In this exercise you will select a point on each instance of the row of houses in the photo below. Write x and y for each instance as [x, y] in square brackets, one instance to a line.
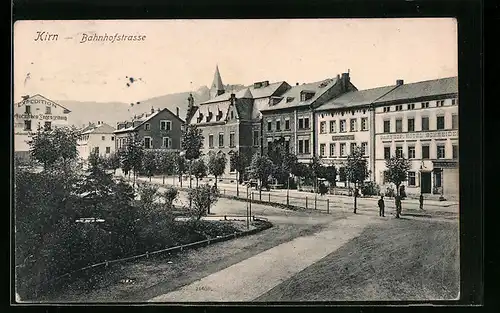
[324, 119]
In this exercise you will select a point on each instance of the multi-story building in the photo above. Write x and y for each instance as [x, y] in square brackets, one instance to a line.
[96, 137]
[231, 122]
[160, 129]
[33, 113]
[292, 116]
[346, 122]
[420, 121]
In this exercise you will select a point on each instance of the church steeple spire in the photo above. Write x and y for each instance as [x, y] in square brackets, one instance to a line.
[217, 87]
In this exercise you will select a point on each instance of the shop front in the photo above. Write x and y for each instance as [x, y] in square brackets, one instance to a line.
[445, 178]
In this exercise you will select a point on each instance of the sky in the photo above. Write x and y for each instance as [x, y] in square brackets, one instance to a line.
[181, 55]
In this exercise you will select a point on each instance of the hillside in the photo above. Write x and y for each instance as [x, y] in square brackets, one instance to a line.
[83, 112]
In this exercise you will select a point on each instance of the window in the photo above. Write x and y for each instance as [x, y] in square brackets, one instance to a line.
[342, 149]
[387, 109]
[47, 125]
[269, 126]
[303, 146]
[255, 137]
[147, 126]
[364, 123]
[108, 150]
[333, 149]
[165, 125]
[232, 114]
[425, 105]
[167, 142]
[287, 124]
[438, 178]
[231, 140]
[387, 153]
[425, 123]
[221, 139]
[103, 137]
[425, 152]
[364, 145]
[453, 101]
[454, 151]
[27, 125]
[48, 109]
[440, 103]
[96, 150]
[322, 148]
[399, 152]
[342, 126]
[387, 126]
[399, 107]
[306, 146]
[306, 122]
[399, 126]
[411, 152]
[354, 125]
[440, 122]
[301, 123]
[147, 142]
[112, 138]
[287, 144]
[27, 109]
[411, 106]
[210, 141]
[440, 153]
[322, 127]
[353, 146]
[454, 121]
[411, 179]
[333, 127]
[411, 124]
[278, 126]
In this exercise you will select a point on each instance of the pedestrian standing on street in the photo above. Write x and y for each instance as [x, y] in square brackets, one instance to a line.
[398, 205]
[421, 201]
[381, 206]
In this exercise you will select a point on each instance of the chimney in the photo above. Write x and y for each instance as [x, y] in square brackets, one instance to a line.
[345, 81]
[190, 100]
[399, 82]
[152, 110]
[338, 76]
[296, 84]
[265, 83]
[177, 111]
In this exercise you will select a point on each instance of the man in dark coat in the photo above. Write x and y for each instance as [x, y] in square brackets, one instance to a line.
[421, 201]
[398, 205]
[381, 206]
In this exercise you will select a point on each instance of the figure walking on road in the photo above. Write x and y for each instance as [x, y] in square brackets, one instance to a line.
[381, 206]
[398, 205]
[421, 201]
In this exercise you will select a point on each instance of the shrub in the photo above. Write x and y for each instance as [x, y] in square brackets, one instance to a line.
[370, 189]
[322, 189]
[169, 195]
[202, 198]
[148, 193]
[389, 192]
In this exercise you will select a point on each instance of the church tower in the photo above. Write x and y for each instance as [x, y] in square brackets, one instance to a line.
[217, 87]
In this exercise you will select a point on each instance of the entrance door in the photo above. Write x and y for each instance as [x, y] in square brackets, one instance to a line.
[425, 182]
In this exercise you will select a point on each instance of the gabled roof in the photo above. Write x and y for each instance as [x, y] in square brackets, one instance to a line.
[43, 98]
[356, 98]
[99, 129]
[291, 98]
[249, 92]
[429, 88]
[144, 118]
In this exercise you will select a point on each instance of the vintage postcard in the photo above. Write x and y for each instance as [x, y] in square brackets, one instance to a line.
[164, 161]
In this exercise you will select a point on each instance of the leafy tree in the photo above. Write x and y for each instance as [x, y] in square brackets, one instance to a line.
[261, 168]
[342, 174]
[284, 161]
[316, 169]
[202, 198]
[149, 163]
[50, 146]
[357, 171]
[113, 161]
[191, 144]
[180, 166]
[133, 154]
[330, 174]
[302, 170]
[148, 195]
[199, 169]
[166, 163]
[216, 164]
[238, 162]
[169, 195]
[397, 170]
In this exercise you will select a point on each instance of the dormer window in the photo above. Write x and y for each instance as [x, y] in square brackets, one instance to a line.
[209, 116]
[219, 115]
[289, 99]
[200, 117]
[306, 95]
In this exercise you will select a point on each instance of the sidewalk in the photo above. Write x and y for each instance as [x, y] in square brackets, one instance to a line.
[247, 280]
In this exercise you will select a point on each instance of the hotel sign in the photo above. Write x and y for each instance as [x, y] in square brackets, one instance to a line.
[445, 164]
[40, 117]
[421, 135]
[342, 137]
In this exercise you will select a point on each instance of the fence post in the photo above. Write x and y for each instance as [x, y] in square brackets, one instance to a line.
[315, 197]
[224, 191]
[269, 197]
[306, 202]
[252, 195]
[328, 206]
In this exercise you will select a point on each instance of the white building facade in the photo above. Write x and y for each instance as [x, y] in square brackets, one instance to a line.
[32, 113]
[97, 137]
[420, 121]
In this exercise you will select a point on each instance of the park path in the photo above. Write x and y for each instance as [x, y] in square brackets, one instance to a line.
[248, 279]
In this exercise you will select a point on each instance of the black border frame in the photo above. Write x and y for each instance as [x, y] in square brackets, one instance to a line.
[469, 17]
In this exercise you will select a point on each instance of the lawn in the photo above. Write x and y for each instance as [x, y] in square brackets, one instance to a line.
[399, 260]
